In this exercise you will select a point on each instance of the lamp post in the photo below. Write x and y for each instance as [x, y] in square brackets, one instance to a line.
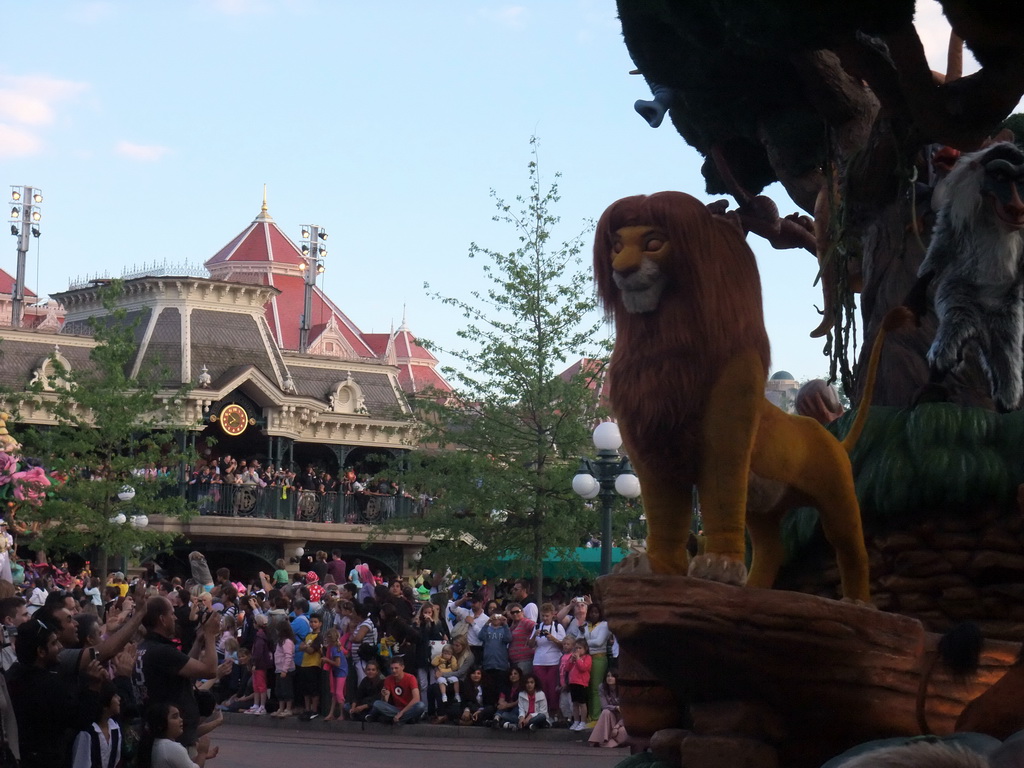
[125, 495]
[313, 250]
[608, 475]
[25, 212]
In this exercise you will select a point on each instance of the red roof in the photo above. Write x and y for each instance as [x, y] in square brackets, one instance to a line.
[378, 342]
[261, 242]
[406, 347]
[416, 365]
[290, 305]
[7, 285]
[417, 378]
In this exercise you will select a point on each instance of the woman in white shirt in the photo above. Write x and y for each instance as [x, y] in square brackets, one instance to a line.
[160, 747]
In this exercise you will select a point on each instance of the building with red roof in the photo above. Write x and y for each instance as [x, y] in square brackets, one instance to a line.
[231, 341]
[263, 254]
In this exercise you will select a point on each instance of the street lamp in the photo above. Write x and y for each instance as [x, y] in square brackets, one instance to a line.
[139, 521]
[607, 475]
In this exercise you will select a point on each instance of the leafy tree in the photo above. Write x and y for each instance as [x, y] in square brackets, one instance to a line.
[500, 451]
[110, 427]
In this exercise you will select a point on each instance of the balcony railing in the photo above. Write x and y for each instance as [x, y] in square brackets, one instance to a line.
[304, 506]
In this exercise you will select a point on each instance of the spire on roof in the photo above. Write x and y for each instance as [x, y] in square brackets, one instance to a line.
[389, 354]
[403, 326]
[264, 215]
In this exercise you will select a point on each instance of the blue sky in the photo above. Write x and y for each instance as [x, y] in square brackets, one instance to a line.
[151, 129]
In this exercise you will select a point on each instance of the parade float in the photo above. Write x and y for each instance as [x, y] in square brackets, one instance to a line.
[889, 528]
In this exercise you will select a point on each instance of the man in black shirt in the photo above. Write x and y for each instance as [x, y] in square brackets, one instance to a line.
[165, 674]
[45, 705]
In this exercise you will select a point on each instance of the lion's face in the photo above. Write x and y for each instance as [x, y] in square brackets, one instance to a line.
[637, 256]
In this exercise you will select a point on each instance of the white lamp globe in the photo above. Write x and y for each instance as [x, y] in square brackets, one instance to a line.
[127, 493]
[119, 519]
[299, 551]
[627, 485]
[586, 485]
[140, 521]
[607, 437]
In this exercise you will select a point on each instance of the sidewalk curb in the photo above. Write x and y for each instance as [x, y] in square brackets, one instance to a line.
[419, 729]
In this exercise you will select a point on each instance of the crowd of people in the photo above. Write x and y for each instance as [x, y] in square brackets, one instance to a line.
[100, 676]
[217, 481]
[228, 470]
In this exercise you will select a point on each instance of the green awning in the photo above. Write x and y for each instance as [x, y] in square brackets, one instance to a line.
[558, 565]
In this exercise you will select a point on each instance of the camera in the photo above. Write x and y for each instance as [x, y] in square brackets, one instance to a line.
[579, 599]
[543, 633]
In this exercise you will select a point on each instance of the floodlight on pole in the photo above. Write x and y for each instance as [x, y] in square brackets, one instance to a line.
[313, 265]
[25, 212]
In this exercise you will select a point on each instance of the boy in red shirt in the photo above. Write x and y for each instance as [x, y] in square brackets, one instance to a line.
[400, 699]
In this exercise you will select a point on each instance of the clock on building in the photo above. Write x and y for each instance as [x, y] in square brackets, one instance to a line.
[233, 419]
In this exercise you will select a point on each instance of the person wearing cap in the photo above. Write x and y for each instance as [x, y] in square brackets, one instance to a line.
[316, 592]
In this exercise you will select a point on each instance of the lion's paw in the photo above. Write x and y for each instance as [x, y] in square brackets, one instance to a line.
[718, 568]
[634, 564]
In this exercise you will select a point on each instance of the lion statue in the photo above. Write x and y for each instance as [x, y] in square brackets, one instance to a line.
[687, 387]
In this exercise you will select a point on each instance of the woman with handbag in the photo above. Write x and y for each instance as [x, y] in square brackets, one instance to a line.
[364, 640]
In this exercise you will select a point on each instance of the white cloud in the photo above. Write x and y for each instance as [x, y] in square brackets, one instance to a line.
[32, 99]
[146, 153]
[18, 142]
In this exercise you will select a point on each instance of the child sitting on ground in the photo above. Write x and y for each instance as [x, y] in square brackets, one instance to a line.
[533, 706]
[445, 667]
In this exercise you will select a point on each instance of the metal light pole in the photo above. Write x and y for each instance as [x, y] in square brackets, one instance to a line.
[312, 250]
[26, 213]
[608, 475]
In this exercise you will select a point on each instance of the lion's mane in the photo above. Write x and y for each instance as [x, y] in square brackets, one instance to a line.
[665, 362]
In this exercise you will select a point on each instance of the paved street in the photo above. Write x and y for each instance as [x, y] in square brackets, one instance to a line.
[254, 747]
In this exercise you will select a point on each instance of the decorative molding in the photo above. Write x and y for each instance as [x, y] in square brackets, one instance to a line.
[347, 397]
[45, 373]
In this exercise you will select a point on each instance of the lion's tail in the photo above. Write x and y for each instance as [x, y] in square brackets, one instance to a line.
[896, 318]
